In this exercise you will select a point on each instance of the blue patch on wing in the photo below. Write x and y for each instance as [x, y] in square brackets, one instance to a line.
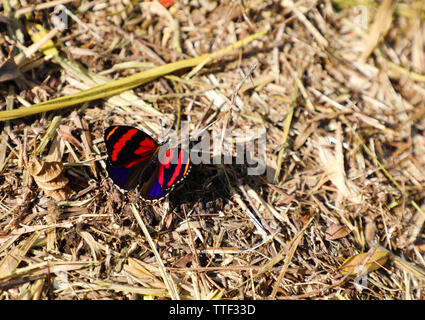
[156, 191]
[125, 178]
[147, 176]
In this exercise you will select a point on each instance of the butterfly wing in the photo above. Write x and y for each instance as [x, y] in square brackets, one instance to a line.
[125, 178]
[169, 171]
[128, 146]
[130, 151]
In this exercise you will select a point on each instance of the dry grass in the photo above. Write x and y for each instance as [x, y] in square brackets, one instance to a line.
[342, 200]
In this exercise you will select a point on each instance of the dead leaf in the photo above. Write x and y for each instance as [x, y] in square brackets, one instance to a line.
[65, 132]
[86, 140]
[9, 71]
[336, 231]
[11, 261]
[185, 261]
[332, 163]
[286, 200]
[364, 262]
[168, 219]
[136, 269]
[49, 176]
[305, 218]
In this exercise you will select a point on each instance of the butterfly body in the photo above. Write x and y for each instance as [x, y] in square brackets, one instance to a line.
[135, 158]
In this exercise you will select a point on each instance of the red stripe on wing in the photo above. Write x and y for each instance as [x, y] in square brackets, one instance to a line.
[121, 143]
[136, 162]
[176, 172]
[164, 164]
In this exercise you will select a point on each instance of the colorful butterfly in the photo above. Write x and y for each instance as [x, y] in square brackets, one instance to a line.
[134, 158]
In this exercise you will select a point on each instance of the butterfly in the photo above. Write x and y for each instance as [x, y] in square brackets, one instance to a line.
[134, 158]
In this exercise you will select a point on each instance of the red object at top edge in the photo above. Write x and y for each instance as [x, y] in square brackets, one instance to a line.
[166, 3]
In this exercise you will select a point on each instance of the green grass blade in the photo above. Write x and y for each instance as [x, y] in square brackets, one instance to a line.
[117, 86]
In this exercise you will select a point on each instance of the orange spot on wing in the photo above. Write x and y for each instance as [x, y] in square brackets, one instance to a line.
[111, 133]
[187, 166]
